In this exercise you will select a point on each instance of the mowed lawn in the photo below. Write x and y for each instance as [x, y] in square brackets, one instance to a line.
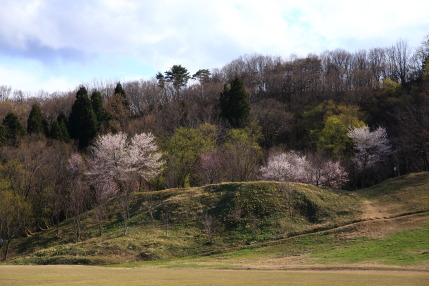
[91, 275]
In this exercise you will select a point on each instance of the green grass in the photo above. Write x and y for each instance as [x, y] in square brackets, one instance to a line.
[404, 194]
[401, 248]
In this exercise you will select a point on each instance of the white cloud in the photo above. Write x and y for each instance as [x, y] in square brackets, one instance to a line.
[34, 78]
[197, 34]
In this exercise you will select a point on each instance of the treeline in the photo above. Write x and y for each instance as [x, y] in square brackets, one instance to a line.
[363, 116]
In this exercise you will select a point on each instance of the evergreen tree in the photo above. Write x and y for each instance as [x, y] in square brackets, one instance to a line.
[178, 75]
[82, 121]
[13, 129]
[120, 91]
[46, 128]
[35, 120]
[97, 106]
[234, 104]
[59, 129]
[2, 135]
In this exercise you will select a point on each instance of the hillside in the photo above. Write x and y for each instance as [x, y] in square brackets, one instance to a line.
[264, 225]
[194, 221]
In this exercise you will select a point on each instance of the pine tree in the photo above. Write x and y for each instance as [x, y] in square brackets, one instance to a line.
[35, 121]
[97, 106]
[235, 105]
[13, 129]
[120, 91]
[82, 121]
[59, 129]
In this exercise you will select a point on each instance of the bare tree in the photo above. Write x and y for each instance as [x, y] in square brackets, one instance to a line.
[15, 214]
[5, 92]
[414, 124]
[77, 198]
[209, 168]
[209, 222]
[399, 61]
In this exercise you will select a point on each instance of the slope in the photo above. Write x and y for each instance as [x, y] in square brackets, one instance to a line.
[195, 221]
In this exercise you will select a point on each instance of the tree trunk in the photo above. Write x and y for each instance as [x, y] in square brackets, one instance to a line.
[6, 251]
[77, 225]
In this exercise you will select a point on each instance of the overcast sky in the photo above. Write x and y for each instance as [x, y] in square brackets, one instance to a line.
[55, 45]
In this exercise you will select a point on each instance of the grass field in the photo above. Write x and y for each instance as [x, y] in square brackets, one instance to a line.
[92, 275]
[376, 236]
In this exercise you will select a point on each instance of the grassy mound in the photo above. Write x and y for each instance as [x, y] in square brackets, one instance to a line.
[194, 221]
[265, 225]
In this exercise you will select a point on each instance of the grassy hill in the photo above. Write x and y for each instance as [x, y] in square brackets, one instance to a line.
[264, 225]
[195, 221]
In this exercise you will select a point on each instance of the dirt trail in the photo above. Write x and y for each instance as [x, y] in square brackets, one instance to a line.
[373, 210]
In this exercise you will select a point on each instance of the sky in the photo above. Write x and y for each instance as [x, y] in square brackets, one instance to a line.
[55, 45]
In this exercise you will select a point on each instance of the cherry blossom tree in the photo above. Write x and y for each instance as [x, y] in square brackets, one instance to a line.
[293, 167]
[371, 147]
[286, 167]
[118, 164]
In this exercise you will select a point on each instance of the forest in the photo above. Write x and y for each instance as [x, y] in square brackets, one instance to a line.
[341, 119]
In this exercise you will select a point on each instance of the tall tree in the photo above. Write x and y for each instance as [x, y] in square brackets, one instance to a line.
[82, 121]
[234, 104]
[59, 129]
[177, 75]
[97, 106]
[35, 120]
[203, 76]
[119, 91]
[13, 129]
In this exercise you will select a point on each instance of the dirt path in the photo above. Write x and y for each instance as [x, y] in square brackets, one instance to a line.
[373, 210]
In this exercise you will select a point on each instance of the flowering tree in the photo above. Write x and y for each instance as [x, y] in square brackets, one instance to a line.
[286, 167]
[118, 164]
[371, 147]
[292, 167]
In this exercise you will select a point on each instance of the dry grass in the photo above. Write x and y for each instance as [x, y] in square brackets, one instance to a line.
[89, 275]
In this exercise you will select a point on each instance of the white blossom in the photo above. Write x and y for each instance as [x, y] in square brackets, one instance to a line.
[292, 167]
[116, 159]
[371, 147]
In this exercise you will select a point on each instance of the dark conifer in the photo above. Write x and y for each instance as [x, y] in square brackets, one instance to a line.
[35, 121]
[97, 106]
[59, 129]
[234, 104]
[13, 129]
[82, 121]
